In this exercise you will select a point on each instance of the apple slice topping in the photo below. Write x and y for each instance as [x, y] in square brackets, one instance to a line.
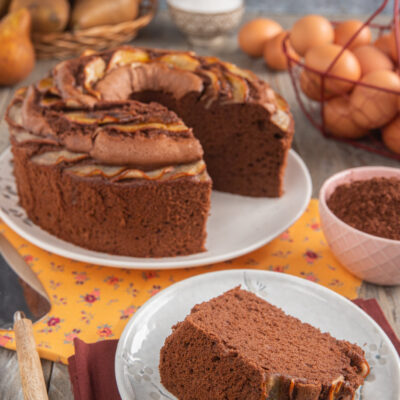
[180, 60]
[56, 157]
[174, 127]
[106, 171]
[51, 94]
[116, 173]
[212, 90]
[281, 119]
[127, 56]
[88, 52]
[243, 73]
[94, 70]
[45, 84]
[239, 88]
[50, 101]
[90, 118]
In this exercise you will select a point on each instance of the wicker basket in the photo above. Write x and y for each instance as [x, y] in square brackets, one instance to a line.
[67, 44]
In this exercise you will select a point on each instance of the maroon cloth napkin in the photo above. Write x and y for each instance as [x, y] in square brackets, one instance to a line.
[91, 370]
[372, 308]
[92, 373]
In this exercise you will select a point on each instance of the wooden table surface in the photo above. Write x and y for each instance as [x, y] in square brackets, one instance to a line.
[323, 158]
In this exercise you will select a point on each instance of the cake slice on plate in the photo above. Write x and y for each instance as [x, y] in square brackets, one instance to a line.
[238, 346]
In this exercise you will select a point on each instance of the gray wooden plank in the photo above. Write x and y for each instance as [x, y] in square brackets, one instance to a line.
[10, 383]
[323, 7]
[389, 300]
[60, 385]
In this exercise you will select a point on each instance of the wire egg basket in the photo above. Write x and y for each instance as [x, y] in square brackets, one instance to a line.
[314, 109]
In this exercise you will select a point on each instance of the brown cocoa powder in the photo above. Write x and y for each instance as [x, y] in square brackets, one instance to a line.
[371, 206]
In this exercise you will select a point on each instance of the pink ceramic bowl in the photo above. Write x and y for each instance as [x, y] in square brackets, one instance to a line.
[371, 258]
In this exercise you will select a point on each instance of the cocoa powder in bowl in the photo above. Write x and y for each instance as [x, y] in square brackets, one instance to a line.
[371, 206]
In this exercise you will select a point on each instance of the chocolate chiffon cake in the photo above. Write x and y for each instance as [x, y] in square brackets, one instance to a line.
[238, 346]
[110, 150]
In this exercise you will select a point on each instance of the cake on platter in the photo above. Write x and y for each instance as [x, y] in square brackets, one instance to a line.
[112, 150]
[239, 346]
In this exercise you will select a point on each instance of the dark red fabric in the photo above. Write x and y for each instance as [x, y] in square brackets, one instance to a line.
[92, 373]
[372, 308]
[91, 370]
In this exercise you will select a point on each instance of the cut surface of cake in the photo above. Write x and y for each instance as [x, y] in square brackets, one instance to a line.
[110, 150]
[238, 346]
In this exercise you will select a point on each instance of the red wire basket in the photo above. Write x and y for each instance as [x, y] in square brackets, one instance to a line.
[314, 110]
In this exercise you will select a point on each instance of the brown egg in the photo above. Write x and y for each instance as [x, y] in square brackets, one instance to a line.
[383, 43]
[372, 59]
[254, 34]
[393, 46]
[391, 135]
[373, 108]
[338, 121]
[345, 30]
[347, 66]
[312, 89]
[274, 55]
[311, 31]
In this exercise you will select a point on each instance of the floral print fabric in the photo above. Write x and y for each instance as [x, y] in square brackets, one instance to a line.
[95, 303]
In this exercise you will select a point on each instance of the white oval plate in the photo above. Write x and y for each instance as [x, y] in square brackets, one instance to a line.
[137, 356]
[236, 226]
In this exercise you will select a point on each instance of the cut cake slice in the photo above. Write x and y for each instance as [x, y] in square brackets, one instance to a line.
[238, 346]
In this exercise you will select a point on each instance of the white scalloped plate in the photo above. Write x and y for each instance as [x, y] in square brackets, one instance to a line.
[137, 357]
[236, 226]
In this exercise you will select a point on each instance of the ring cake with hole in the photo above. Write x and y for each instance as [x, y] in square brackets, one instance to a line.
[111, 150]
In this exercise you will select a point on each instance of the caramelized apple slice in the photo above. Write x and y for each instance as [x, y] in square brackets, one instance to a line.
[106, 171]
[56, 157]
[177, 127]
[45, 84]
[127, 56]
[211, 60]
[89, 119]
[281, 119]
[14, 116]
[149, 175]
[117, 173]
[88, 52]
[215, 83]
[21, 92]
[166, 173]
[239, 88]
[93, 71]
[50, 101]
[281, 102]
[23, 136]
[188, 170]
[72, 103]
[213, 88]
[180, 60]
[243, 73]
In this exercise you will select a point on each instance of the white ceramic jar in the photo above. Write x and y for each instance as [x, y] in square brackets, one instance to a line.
[206, 22]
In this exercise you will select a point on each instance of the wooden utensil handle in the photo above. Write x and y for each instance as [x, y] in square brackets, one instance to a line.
[30, 368]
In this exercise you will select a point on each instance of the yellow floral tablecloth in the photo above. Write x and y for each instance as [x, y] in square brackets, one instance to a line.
[94, 303]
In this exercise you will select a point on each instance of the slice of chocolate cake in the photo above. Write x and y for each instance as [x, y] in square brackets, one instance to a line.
[238, 346]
